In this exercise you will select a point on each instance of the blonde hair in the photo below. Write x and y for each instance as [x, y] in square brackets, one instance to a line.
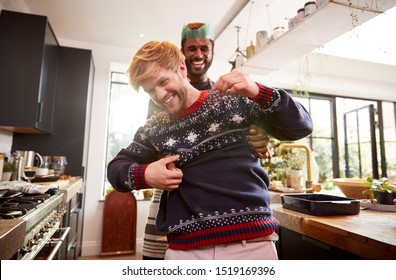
[151, 59]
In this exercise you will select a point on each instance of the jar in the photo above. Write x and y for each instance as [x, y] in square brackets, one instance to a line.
[320, 3]
[309, 8]
[261, 39]
[47, 162]
[290, 23]
[278, 31]
[59, 165]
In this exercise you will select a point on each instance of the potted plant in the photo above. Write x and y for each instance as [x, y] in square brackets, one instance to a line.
[382, 191]
[8, 169]
[296, 162]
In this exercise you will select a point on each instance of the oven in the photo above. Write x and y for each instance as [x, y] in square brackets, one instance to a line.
[38, 218]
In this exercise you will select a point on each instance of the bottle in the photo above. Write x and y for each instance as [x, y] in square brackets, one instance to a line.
[250, 50]
[19, 164]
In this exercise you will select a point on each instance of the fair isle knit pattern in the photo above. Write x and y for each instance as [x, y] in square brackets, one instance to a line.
[223, 196]
[219, 125]
[218, 122]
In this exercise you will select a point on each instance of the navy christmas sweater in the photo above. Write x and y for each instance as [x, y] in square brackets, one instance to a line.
[224, 195]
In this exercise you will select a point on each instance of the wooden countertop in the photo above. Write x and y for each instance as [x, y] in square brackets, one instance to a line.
[370, 234]
[68, 187]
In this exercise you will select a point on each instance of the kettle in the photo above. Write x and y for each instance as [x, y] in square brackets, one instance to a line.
[29, 158]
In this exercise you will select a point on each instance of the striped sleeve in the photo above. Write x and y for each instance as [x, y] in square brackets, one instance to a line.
[264, 95]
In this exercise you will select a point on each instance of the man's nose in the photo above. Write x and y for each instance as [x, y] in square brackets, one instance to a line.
[198, 53]
[160, 94]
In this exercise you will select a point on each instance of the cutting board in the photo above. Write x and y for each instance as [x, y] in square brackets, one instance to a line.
[61, 183]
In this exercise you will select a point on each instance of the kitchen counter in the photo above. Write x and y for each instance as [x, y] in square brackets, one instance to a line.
[370, 234]
[70, 187]
[13, 231]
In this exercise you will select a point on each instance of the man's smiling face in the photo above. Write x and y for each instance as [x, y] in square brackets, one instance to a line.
[199, 56]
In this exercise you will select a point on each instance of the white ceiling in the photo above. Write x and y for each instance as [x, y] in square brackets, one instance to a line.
[120, 22]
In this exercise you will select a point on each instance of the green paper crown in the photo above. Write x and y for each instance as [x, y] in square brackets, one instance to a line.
[203, 32]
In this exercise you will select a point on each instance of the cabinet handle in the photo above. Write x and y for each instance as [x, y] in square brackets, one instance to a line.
[40, 110]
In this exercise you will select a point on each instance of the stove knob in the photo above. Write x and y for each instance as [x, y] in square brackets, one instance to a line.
[25, 250]
[32, 242]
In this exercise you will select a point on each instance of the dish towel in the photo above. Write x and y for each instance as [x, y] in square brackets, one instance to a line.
[26, 187]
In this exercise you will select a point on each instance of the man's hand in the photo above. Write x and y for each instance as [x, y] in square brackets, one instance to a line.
[163, 174]
[236, 82]
[259, 142]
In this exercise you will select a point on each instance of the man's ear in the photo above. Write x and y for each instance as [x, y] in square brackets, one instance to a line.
[183, 70]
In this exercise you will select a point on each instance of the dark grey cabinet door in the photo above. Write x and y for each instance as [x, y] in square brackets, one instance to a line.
[71, 113]
[29, 54]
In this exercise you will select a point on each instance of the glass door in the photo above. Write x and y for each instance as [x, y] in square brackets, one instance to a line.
[361, 143]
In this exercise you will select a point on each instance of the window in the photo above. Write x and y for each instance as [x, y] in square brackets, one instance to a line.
[344, 142]
[127, 112]
[322, 140]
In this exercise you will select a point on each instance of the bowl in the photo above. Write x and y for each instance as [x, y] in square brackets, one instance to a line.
[352, 187]
[42, 171]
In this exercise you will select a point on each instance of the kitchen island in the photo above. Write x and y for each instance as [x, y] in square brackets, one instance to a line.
[368, 235]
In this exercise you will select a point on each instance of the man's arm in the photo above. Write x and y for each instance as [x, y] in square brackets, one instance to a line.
[283, 118]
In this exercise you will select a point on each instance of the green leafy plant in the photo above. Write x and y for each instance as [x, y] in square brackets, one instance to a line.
[378, 185]
[296, 159]
[9, 167]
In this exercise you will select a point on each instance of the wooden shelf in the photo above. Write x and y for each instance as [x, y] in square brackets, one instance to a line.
[328, 22]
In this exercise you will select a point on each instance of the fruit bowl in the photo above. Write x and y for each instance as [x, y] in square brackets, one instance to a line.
[352, 187]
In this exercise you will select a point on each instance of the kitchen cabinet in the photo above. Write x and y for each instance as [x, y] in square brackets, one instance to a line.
[73, 219]
[368, 235]
[329, 21]
[69, 136]
[29, 57]
[297, 246]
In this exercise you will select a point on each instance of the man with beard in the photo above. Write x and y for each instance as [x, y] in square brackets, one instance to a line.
[215, 203]
[197, 45]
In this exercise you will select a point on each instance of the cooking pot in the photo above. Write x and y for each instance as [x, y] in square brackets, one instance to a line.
[29, 158]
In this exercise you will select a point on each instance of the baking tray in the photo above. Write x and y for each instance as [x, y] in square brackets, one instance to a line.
[321, 204]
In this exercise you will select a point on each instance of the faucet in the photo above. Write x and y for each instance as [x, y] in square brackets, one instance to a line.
[308, 155]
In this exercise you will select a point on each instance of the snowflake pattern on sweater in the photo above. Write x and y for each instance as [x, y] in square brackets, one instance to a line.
[217, 121]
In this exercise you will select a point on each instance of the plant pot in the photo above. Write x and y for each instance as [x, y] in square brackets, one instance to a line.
[296, 180]
[385, 198]
[6, 176]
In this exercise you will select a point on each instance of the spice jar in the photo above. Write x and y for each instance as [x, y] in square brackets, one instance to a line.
[309, 7]
[47, 162]
[300, 14]
[59, 165]
[278, 31]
